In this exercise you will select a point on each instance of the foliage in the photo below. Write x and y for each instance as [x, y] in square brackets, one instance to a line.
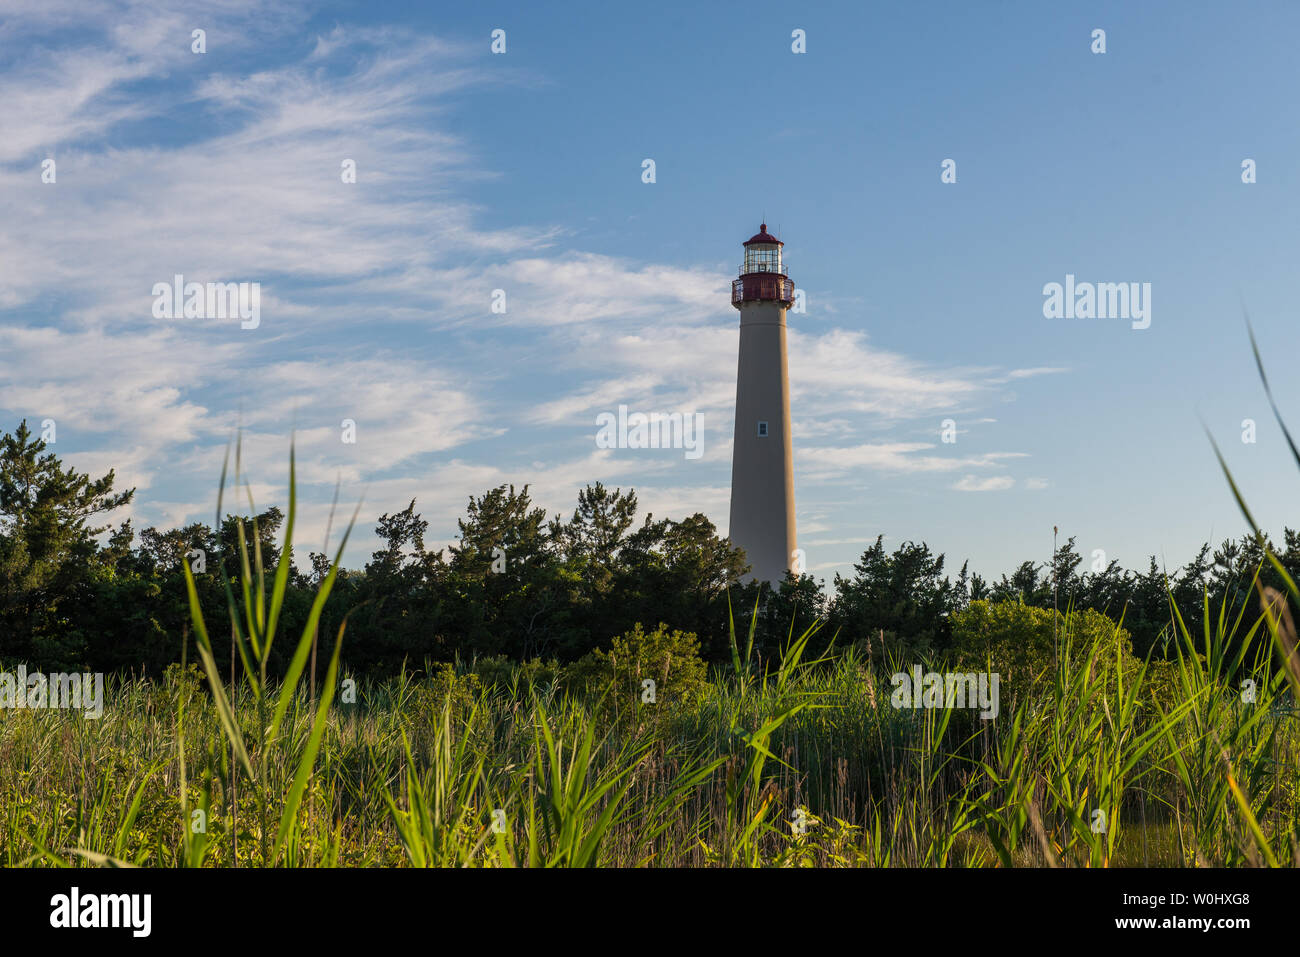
[669, 659]
[518, 585]
[49, 556]
[1023, 646]
[807, 764]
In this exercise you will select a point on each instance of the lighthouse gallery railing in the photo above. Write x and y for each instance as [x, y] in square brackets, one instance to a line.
[755, 286]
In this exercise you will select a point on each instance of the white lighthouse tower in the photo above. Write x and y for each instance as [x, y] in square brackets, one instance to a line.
[762, 459]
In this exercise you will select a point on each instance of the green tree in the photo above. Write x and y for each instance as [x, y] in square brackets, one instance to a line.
[789, 611]
[397, 608]
[49, 556]
[681, 573]
[905, 595]
[505, 587]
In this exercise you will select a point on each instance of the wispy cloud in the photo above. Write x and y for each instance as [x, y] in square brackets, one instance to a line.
[994, 483]
[896, 457]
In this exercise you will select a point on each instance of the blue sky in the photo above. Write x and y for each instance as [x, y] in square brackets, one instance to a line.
[522, 172]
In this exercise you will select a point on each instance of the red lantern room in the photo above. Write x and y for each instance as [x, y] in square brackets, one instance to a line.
[762, 277]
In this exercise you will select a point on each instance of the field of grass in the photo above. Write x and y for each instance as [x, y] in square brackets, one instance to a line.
[807, 765]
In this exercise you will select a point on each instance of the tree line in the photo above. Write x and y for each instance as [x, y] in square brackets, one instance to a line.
[79, 593]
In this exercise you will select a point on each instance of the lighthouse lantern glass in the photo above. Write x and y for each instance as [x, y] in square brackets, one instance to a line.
[762, 257]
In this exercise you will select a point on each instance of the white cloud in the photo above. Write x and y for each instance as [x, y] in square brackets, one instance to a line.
[900, 457]
[1030, 373]
[996, 483]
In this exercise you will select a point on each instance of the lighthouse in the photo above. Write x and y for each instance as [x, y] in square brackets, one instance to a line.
[762, 459]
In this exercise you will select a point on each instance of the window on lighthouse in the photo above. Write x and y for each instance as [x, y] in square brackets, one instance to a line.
[762, 257]
[762, 430]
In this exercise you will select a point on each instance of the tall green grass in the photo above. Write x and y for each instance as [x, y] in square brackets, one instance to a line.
[414, 774]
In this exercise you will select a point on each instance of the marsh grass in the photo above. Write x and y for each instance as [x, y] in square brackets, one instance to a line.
[404, 777]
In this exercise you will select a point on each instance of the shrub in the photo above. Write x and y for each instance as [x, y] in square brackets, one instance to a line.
[671, 659]
[182, 684]
[502, 674]
[1016, 641]
[447, 686]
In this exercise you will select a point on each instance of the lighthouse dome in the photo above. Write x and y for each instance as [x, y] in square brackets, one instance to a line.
[763, 236]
